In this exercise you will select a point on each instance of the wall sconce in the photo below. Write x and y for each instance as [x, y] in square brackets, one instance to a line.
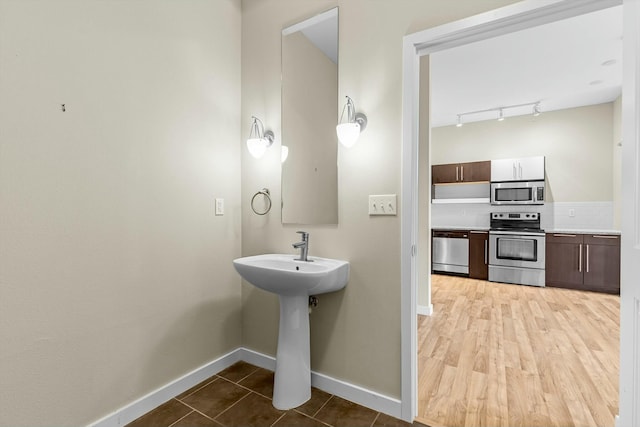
[284, 153]
[259, 140]
[349, 131]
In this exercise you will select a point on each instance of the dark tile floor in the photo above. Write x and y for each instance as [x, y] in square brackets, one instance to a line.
[241, 396]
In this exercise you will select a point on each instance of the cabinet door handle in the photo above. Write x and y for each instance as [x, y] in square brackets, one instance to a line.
[461, 173]
[580, 260]
[587, 258]
[520, 170]
[604, 237]
[564, 235]
[457, 173]
[515, 175]
[486, 252]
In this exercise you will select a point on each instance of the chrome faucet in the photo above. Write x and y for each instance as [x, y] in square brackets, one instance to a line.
[303, 246]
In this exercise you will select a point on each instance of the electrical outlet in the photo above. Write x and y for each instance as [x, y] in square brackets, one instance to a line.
[219, 207]
[385, 204]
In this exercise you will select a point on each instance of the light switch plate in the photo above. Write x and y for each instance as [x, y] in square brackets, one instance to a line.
[219, 206]
[384, 204]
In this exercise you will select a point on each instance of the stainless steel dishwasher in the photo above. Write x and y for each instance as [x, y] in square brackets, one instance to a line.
[450, 251]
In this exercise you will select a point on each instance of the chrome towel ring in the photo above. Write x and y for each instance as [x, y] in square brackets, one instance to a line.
[267, 196]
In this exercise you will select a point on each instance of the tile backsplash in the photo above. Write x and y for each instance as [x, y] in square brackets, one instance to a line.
[553, 216]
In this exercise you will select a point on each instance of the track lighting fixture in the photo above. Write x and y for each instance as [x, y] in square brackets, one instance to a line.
[501, 111]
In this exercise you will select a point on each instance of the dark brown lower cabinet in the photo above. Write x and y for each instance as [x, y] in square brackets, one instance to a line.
[479, 255]
[589, 262]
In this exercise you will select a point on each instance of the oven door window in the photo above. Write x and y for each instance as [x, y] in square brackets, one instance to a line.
[517, 249]
[513, 194]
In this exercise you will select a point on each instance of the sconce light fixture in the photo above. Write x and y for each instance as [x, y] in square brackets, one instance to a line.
[259, 140]
[349, 131]
[284, 153]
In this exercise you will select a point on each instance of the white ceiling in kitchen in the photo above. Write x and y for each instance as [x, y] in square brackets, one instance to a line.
[566, 64]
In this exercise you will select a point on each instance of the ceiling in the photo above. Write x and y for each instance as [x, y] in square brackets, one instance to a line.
[565, 64]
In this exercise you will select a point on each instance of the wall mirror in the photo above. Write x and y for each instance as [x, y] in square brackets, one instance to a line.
[309, 119]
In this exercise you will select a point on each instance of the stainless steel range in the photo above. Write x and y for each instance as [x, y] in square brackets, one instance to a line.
[517, 246]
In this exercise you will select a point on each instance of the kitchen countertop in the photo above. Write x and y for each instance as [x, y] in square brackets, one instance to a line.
[582, 231]
[459, 228]
[548, 230]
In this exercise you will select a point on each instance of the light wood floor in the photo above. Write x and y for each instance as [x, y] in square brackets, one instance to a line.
[494, 354]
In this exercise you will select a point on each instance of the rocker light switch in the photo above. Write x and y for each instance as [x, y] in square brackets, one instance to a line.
[383, 205]
[219, 207]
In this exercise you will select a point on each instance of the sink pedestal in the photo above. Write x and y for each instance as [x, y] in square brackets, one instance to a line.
[292, 384]
[293, 281]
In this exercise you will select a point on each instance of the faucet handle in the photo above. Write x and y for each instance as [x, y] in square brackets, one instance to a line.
[304, 234]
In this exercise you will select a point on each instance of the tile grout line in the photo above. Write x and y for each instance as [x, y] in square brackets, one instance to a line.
[279, 418]
[197, 411]
[325, 404]
[313, 418]
[180, 419]
[212, 378]
[234, 404]
[243, 378]
[375, 419]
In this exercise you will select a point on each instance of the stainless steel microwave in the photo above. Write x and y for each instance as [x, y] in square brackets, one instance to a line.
[517, 193]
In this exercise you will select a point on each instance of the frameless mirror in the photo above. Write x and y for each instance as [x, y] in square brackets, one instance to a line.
[309, 119]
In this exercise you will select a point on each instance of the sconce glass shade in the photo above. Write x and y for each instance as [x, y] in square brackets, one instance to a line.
[257, 146]
[259, 140]
[284, 154]
[348, 133]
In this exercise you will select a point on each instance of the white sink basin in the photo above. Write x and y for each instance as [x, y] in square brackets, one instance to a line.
[293, 281]
[283, 275]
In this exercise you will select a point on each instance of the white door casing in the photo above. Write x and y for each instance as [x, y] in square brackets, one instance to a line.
[630, 241]
[525, 14]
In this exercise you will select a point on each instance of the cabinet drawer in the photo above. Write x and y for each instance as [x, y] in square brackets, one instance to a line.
[564, 238]
[602, 239]
[480, 235]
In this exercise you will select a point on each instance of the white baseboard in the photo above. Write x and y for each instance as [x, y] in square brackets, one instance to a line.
[136, 409]
[360, 395]
[354, 393]
[425, 310]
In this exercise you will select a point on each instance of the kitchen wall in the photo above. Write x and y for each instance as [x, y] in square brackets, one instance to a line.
[355, 333]
[115, 275]
[579, 161]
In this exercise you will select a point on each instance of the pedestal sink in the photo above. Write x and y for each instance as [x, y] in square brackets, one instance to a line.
[293, 281]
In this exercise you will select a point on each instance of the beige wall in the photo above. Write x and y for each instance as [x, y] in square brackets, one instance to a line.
[576, 143]
[115, 275]
[355, 333]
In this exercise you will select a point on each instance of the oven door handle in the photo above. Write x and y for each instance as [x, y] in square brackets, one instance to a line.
[516, 233]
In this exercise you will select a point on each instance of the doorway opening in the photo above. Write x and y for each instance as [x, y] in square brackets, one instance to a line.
[417, 46]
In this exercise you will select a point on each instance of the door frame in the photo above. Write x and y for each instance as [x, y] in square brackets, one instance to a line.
[519, 16]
